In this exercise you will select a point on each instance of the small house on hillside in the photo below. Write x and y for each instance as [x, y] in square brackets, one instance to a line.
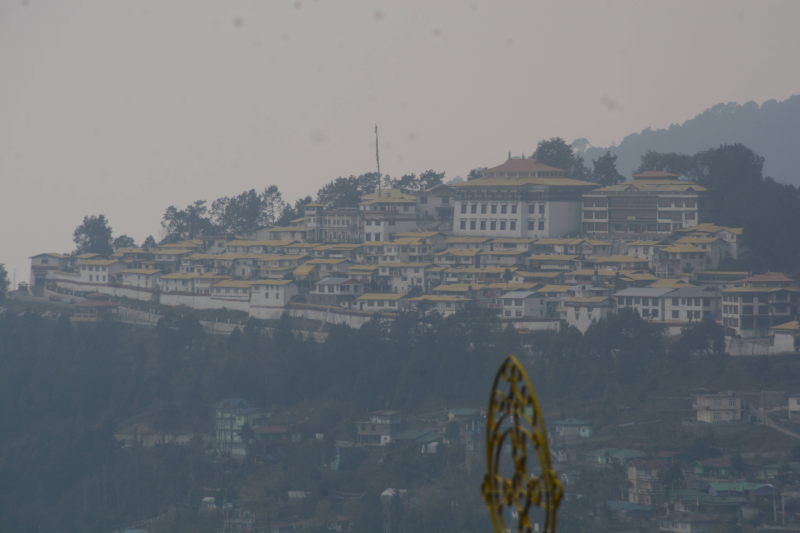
[378, 429]
[716, 408]
[230, 418]
[572, 428]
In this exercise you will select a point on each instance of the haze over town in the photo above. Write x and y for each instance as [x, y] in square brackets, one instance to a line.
[125, 108]
[574, 272]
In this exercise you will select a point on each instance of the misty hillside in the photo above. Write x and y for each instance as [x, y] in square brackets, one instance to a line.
[771, 129]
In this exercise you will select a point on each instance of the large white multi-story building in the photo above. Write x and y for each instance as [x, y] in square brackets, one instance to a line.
[520, 198]
[653, 203]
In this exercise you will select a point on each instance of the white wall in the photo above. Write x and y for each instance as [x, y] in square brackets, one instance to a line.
[562, 218]
[582, 317]
[202, 301]
[330, 315]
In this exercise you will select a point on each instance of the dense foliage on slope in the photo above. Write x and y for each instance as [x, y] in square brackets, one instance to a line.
[65, 390]
[739, 195]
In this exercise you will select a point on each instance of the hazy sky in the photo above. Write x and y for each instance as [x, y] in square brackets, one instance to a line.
[126, 107]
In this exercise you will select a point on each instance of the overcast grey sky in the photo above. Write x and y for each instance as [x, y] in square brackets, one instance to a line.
[126, 107]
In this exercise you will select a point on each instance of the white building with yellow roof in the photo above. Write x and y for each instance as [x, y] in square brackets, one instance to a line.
[281, 233]
[553, 262]
[539, 276]
[140, 278]
[411, 249]
[381, 302]
[352, 251]
[642, 249]
[42, 264]
[99, 271]
[677, 259]
[519, 304]
[330, 266]
[731, 235]
[521, 244]
[263, 298]
[615, 262]
[480, 243]
[243, 246]
[401, 277]
[332, 224]
[472, 274]
[654, 203]
[786, 338]
[387, 212]
[188, 283]
[191, 244]
[716, 248]
[268, 297]
[519, 198]
[466, 257]
[572, 246]
[503, 258]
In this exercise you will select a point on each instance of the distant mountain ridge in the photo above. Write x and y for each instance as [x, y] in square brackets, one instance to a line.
[771, 129]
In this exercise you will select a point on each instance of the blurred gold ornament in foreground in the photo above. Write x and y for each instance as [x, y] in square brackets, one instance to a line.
[515, 419]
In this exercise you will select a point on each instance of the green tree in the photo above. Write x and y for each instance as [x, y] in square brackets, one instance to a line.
[476, 173]
[702, 338]
[681, 164]
[93, 236]
[739, 195]
[149, 243]
[3, 282]
[347, 192]
[124, 241]
[341, 192]
[430, 179]
[580, 170]
[188, 223]
[273, 206]
[248, 211]
[293, 212]
[411, 183]
[733, 174]
[557, 153]
[604, 170]
[407, 183]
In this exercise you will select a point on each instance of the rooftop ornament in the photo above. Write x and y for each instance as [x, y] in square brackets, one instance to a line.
[515, 420]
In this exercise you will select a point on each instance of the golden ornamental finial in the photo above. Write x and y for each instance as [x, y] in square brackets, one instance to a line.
[514, 418]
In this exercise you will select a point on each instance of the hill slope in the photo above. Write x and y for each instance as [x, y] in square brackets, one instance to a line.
[771, 129]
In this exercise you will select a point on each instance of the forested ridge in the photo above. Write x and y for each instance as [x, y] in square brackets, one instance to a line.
[65, 390]
[771, 129]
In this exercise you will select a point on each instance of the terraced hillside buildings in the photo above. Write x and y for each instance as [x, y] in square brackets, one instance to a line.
[344, 265]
